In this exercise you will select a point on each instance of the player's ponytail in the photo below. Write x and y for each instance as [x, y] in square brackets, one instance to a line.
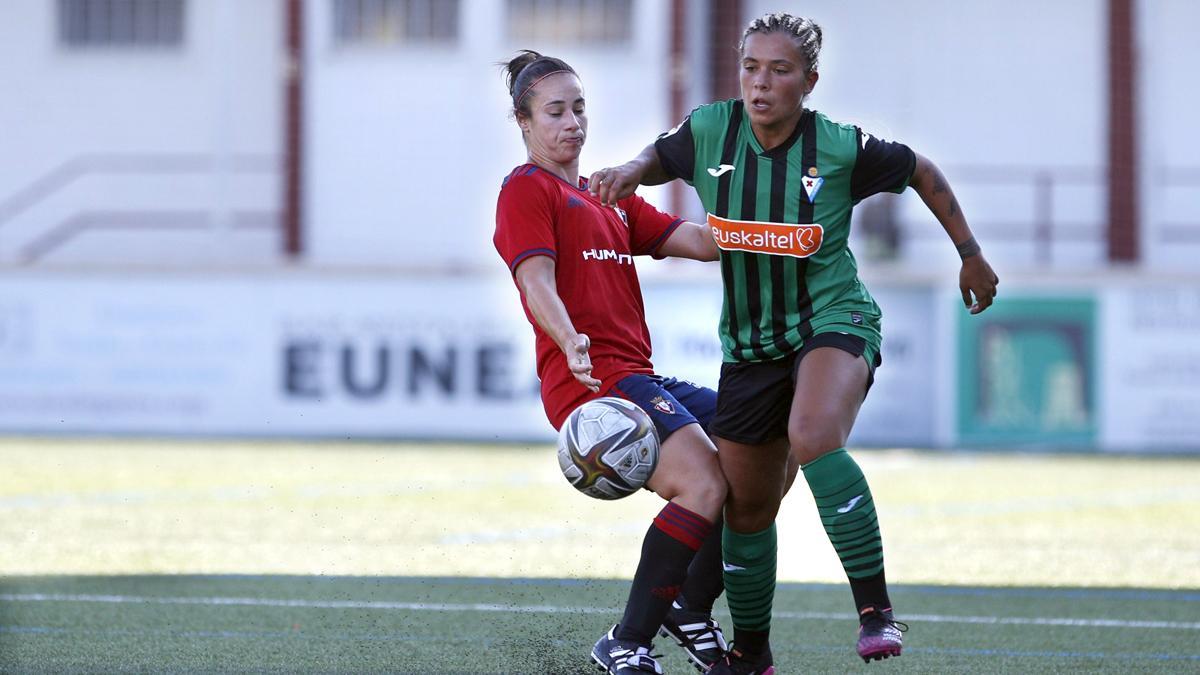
[804, 32]
[524, 71]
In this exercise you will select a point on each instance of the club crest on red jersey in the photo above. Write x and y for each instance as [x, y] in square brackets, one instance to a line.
[621, 212]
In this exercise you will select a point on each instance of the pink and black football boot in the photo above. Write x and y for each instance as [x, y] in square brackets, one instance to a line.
[879, 634]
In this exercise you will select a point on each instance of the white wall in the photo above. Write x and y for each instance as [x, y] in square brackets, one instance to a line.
[408, 145]
[172, 156]
[1015, 85]
[1169, 96]
[110, 137]
[1020, 84]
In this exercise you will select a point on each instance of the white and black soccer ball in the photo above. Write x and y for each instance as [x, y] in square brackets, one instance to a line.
[608, 448]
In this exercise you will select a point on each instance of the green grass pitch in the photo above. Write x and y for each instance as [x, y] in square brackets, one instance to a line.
[205, 556]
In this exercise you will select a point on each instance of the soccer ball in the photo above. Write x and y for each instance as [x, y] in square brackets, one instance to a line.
[608, 448]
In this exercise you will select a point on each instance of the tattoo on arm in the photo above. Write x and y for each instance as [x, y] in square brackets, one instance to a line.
[933, 179]
[939, 183]
[968, 248]
[940, 187]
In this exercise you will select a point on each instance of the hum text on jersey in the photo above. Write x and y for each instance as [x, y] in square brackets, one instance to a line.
[607, 254]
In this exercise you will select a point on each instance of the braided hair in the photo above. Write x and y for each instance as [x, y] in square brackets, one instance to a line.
[804, 32]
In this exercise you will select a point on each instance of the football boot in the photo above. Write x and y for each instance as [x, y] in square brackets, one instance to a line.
[879, 634]
[622, 657]
[697, 633]
[736, 663]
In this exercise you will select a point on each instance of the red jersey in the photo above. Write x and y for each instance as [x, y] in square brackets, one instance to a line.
[593, 246]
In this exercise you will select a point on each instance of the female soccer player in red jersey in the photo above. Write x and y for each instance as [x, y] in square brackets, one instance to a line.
[572, 259]
[800, 333]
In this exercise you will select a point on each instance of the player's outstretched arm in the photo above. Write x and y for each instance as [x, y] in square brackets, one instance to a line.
[976, 279]
[535, 278]
[691, 240]
[612, 184]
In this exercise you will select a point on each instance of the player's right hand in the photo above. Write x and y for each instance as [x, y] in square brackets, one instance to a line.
[613, 184]
[580, 363]
[976, 279]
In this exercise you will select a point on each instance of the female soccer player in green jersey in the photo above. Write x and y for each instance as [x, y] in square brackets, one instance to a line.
[799, 331]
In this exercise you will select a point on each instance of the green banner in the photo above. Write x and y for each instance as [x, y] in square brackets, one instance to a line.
[1027, 373]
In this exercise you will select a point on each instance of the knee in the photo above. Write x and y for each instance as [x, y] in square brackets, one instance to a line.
[708, 490]
[810, 439]
[752, 514]
[702, 491]
[751, 510]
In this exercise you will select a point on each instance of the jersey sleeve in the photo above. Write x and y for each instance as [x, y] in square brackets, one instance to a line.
[649, 228]
[524, 220]
[696, 140]
[677, 151]
[880, 166]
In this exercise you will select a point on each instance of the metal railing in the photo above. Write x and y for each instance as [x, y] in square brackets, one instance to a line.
[1043, 186]
[45, 188]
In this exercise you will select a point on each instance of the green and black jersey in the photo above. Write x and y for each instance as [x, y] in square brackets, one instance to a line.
[781, 217]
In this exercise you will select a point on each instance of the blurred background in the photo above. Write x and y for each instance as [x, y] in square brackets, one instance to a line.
[268, 401]
[274, 217]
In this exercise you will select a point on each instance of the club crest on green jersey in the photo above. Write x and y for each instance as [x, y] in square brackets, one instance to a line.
[812, 184]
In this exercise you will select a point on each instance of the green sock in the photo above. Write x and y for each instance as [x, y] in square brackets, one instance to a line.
[749, 563]
[847, 512]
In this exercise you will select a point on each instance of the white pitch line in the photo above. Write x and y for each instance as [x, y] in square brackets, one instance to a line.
[553, 609]
[319, 604]
[1010, 620]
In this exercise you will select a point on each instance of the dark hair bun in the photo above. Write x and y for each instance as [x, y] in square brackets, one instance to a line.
[512, 69]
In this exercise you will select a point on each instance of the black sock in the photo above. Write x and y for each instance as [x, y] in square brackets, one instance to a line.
[705, 579]
[870, 591]
[751, 643]
[668, 549]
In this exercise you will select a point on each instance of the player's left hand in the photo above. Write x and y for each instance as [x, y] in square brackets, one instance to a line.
[614, 183]
[977, 279]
